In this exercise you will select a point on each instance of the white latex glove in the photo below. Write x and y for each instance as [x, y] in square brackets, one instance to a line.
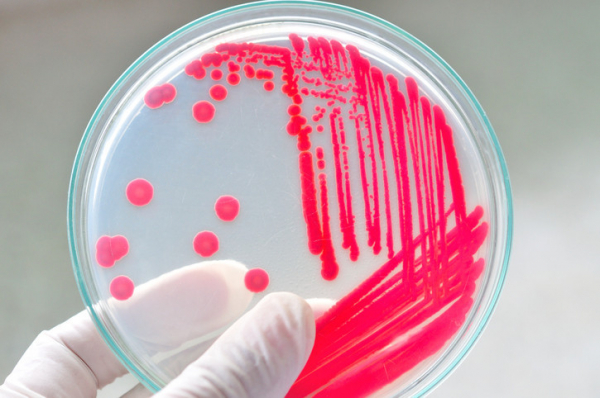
[259, 356]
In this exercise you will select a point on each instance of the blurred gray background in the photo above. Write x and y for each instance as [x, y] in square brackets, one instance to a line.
[534, 66]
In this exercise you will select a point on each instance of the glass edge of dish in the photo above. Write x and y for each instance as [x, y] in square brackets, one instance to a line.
[75, 175]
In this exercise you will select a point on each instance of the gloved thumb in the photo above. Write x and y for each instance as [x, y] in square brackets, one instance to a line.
[261, 355]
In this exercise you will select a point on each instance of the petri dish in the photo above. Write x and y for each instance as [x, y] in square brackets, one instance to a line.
[292, 146]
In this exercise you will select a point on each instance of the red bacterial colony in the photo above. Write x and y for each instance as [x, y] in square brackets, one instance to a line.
[159, 95]
[256, 280]
[216, 74]
[206, 243]
[392, 165]
[218, 92]
[227, 207]
[195, 69]
[203, 111]
[269, 86]
[139, 192]
[233, 79]
[111, 249]
[121, 288]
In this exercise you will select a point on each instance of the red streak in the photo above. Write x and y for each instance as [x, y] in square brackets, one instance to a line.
[195, 69]
[406, 167]
[330, 268]
[309, 202]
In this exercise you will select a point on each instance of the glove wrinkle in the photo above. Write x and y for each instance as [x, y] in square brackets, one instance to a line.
[259, 356]
[50, 369]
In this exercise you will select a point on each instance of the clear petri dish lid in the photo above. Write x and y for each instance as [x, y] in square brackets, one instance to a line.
[302, 147]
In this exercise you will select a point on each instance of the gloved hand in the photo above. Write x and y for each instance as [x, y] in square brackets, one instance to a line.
[259, 356]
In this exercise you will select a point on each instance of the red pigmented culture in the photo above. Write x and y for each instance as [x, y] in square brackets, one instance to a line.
[408, 182]
[139, 192]
[218, 92]
[203, 111]
[206, 243]
[256, 280]
[121, 288]
[110, 249]
[389, 165]
[159, 95]
[309, 149]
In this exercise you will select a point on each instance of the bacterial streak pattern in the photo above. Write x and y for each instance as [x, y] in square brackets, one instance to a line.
[390, 162]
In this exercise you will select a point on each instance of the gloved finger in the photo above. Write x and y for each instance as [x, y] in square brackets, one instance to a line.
[73, 360]
[259, 356]
[183, 304]
[70, 360]
[318, 305]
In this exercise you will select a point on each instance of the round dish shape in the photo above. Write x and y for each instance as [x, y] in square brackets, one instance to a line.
[292, 146]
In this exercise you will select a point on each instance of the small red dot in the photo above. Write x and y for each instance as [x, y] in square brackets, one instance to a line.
[218, 92]
[269, 86]
[203, 111]
[294, 110]
[121, 288]
[256, 280]
[233, 79]
[216, 74]
[206, 243]
[297, 99]
[227, 207]
[249, 71]
[320, 153]
[139, 192]
[320, 128]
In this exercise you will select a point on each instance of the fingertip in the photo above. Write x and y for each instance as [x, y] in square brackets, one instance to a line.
[320, 306]
[262, 354]
[294, 307]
